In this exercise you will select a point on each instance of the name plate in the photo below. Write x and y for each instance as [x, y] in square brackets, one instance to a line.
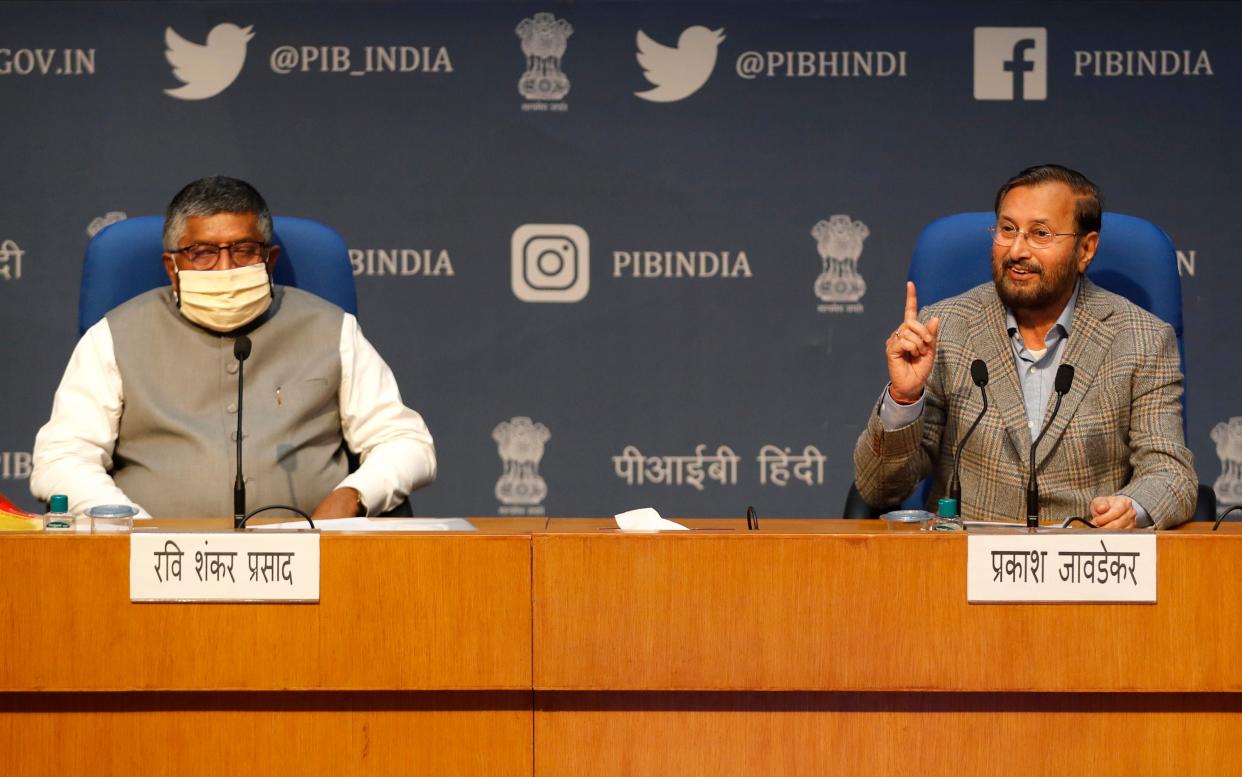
[223, 567]
[1079, 567]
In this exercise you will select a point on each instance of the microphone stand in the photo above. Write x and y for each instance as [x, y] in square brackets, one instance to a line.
[1064, 379]
[241, 350]
[979, 373]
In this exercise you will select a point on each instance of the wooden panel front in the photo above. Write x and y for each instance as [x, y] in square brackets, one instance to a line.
[483, 734]
[834, 606]
[397, 612]
[917, 734]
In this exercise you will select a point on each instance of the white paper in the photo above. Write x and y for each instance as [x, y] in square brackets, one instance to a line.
[645, 519]
[375, 524]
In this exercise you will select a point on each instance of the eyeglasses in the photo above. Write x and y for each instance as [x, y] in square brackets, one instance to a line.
[204, 256]
[1039, 237]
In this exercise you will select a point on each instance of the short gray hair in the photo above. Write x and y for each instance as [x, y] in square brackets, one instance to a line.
[212, 195]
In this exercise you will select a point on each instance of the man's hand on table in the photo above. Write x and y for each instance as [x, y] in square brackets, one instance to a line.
[1113, 512]
[341, 503]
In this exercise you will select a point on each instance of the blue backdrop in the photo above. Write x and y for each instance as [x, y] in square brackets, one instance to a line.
[588, 237]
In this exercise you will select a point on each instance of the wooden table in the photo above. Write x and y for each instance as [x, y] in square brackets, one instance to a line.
[566, 648]
[828, 647]
[415, 661]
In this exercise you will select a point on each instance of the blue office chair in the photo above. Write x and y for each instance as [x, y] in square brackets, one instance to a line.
[1135, 259]
[123, 260]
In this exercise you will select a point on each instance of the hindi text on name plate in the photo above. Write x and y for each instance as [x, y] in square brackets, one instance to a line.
[1078, 567]
[223, 567]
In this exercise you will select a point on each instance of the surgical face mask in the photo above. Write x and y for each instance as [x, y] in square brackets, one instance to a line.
[223, 300]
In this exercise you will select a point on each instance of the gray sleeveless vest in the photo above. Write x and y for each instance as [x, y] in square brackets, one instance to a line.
[175, 452]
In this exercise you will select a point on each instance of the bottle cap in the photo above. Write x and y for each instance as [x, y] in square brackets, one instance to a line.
[59, 503]
[948, 508]
[112, 511]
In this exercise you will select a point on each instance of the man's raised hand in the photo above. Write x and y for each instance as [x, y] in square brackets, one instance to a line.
[911, 351]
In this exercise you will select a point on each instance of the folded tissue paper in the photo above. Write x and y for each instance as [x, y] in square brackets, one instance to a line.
[645, 519]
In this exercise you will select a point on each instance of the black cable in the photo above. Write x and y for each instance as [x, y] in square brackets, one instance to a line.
[290, 508]
[1221, 517]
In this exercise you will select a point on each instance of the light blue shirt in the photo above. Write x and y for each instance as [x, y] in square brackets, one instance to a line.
[1037, 376]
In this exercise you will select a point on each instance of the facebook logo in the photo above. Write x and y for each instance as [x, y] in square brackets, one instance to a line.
[1011, 63]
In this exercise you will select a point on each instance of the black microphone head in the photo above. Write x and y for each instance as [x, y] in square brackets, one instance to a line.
[241, 349]
[1065, 378]
[979, 372]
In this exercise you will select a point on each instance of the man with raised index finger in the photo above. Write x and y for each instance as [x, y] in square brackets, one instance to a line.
[1114, 453]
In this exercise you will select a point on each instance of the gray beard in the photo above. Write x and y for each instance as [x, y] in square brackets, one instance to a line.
[1041, 296]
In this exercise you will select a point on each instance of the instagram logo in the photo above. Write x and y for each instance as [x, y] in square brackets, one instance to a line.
[551, 263]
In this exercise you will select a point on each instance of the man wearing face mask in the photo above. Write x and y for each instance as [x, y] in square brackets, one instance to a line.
[146, 411]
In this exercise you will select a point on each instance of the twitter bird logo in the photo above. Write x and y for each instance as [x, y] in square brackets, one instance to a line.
[678, 72]
[207, 70]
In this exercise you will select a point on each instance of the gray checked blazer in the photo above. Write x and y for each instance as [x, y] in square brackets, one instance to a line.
[1119, 430]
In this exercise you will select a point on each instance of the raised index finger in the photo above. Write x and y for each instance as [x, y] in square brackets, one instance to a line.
[912, 302]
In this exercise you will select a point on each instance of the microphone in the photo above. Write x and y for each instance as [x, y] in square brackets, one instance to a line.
[241, 351]
[1063, 381]
[979, 374]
